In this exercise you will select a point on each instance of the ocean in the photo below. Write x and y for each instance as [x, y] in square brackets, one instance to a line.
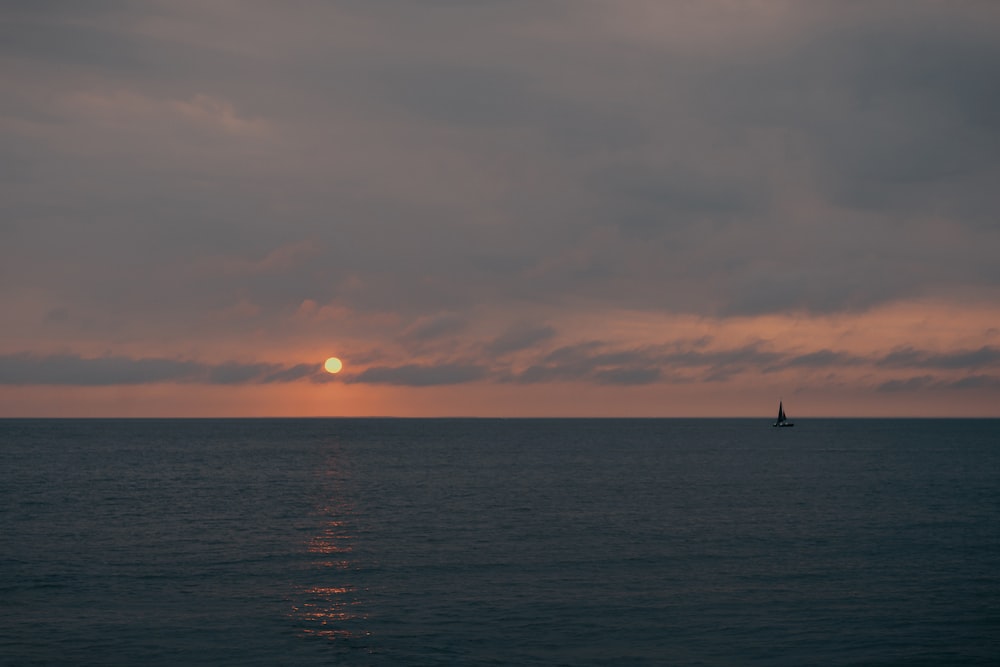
[499, 542]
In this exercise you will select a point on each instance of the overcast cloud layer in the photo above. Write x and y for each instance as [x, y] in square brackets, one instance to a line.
[444, 186]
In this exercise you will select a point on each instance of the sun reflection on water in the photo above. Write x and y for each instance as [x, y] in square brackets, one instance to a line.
[331, 609]
[335, 539]
[329, 612]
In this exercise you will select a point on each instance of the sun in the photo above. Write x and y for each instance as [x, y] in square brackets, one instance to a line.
[333, 365]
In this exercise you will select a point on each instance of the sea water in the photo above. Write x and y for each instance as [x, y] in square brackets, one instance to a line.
[499, 542]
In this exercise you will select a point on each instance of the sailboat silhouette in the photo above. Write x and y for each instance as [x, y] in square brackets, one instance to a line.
[782, 419]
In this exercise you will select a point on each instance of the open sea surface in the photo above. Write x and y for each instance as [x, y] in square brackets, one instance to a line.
[499, 542]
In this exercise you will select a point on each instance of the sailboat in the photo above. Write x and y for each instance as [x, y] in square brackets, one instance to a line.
[782, 419]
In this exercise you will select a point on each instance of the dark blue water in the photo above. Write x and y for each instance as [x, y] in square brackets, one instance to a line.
[499, 542]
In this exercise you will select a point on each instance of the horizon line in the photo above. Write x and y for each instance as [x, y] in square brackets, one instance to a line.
[482, 417]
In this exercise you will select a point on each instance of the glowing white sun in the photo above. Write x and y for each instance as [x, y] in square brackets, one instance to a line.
[333, 365]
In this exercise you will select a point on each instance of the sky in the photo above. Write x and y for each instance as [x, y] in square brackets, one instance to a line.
[518, 208]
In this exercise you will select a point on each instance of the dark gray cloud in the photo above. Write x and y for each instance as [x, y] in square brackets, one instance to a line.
[72, 370]
[24, 368]
[924, 382]
[257, 373]
[988, 382]
[417, 375]
[434, 327]
[821, 359]
[908, 357]
[604, 363]
[519, 338]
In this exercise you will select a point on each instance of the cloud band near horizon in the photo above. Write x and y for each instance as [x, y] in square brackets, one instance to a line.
[592, 362]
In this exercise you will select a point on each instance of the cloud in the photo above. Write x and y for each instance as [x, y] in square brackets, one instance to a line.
[519, 338]
[72, 370]
[821, 359]
[434, 327]
[417, 375]
[575, 156]
[597, 362]
[984, 357]
[243, 373]
[923, 382]
[987, 382]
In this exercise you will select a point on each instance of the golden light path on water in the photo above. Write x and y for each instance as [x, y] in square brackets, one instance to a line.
[330, 609]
